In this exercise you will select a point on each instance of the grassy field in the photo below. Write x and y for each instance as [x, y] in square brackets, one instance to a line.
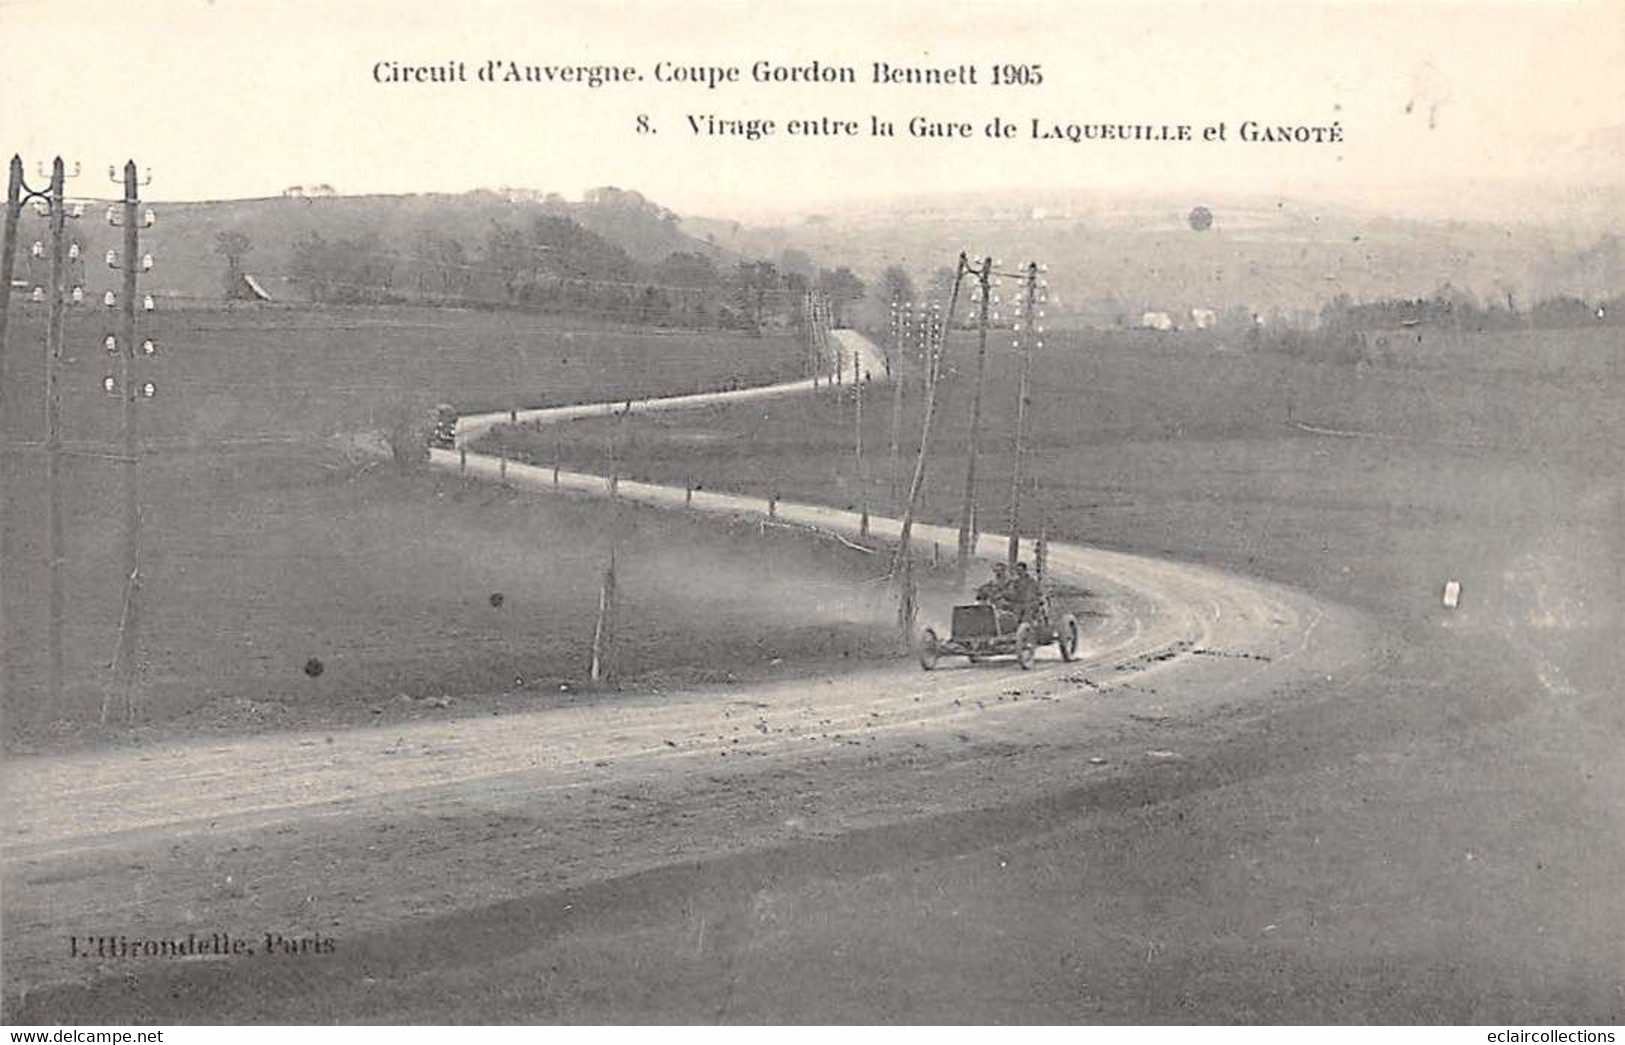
[1493, 460]
[291, 372]
[410, 588]
[270, 536]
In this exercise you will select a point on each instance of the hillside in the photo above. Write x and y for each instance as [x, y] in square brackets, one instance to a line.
[1116, 255]
[187, 267]
[1110, 256]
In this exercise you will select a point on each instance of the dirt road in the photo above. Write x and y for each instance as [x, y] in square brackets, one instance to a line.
[446, 846]
[848, 342]
[1157, 618]
[889, 844]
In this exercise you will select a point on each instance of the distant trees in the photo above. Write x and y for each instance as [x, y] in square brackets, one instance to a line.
[1352, 332]
[1453, 308]
[310, 266]
[793, 262]
[350, 271]
[508, 259]
[439, 265]
[895, 286]
[534, 253]
[756, 279]
[565, 248]
[843, 288]
[233, 246]
[690, 271]
[628, 218]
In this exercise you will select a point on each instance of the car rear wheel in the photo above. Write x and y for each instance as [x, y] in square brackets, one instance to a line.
[1066, 636]
[929, 650]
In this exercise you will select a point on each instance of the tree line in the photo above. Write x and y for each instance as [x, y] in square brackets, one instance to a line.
[1452, 308]
[556, 264]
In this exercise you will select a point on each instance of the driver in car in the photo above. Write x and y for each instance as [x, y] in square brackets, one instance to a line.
[995, 590]
[1024, 593]
[1000, 593]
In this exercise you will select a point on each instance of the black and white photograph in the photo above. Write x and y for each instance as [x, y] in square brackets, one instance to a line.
[925, 514]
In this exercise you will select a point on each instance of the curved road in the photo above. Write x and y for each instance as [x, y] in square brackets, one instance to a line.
[1174, 641]
[851, 345]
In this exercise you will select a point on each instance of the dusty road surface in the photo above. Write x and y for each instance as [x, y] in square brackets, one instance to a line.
[439, 845]
[1240, 803]
[851, 345]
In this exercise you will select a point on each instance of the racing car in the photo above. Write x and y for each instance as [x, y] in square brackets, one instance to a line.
[981, 630]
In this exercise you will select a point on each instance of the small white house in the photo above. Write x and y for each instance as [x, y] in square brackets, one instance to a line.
[1156, 321]
[1204, 318]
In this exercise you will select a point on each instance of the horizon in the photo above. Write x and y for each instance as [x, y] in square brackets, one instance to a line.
[1607, 206]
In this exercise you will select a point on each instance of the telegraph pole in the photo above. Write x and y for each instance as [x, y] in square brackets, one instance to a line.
[857, 438]
[825, 326]
[984, 279]
[936, 350]
[8, 260]
[807, 328]
[603, 633]
[131, 463]
[857, 413]
[894, 367]
[51, 199]
[1027, 326]
[55, 333]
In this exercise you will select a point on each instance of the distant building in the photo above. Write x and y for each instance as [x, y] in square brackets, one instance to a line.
[1204, 318]
[1156, 321]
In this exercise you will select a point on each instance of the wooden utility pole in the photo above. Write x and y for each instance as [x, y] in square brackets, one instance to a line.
[907, 603]
[132, 440]
[967, 510]
[936, 350]
[894, 371]
[8, 260]
[810, 322]
[814, 349]
[54, 337]
[601, 637]
[603, 633]
[826, 325]
[1026, 343]
[857, 412]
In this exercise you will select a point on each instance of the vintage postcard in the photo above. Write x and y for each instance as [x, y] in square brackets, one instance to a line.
[924, 513]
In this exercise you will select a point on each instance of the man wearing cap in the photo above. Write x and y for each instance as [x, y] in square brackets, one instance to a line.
[994, 591]
[1024, 593]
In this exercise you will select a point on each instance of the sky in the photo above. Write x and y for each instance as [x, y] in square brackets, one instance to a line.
[235, 98]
